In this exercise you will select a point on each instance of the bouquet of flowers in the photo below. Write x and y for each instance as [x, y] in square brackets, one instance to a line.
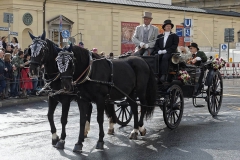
[218, 63]
[183, 76]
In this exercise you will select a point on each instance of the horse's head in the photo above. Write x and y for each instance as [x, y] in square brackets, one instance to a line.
[38, 53]
[65, 63]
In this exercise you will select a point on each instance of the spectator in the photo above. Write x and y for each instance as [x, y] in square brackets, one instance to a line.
[4, 44]
[81, 44]
[8, 74]
[17, 63]
[14, 43]
[94, 50]
[26, 82]
[2, 70]
[102, 54]
[111, 56]
[9, 49]
[15, 51]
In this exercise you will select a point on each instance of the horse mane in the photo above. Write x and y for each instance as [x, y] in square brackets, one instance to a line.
[52, 55]
[51, 47]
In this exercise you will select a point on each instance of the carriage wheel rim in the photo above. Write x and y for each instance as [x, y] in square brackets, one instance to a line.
[215, 95]
[174, 108]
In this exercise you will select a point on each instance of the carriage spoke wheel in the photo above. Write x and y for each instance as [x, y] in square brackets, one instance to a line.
[123, 113]
[215, 93]
[173, 107]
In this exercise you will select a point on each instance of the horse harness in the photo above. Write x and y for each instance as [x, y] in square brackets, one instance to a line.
[111, 83]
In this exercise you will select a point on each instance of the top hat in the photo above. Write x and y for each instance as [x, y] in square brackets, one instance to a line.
[194, 45]
[166, 22]
[147, 15]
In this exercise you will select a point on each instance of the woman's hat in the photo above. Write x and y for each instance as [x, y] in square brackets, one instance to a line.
[166, 22]
[194, 45]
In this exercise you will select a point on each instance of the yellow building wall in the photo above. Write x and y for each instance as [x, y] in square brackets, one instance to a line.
[100, 24]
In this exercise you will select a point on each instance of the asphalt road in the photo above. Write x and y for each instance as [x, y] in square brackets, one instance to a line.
[25, 134]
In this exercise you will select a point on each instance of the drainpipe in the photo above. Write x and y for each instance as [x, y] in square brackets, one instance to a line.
[44, 13]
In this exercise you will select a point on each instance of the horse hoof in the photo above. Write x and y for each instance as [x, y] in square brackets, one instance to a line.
[99, 145]
[60, 145]
[55, 141]
[111, 131]
[133, 135]
[144, 132]
[78, 148]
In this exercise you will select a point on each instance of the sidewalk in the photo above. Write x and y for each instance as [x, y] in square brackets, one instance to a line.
[20, 101]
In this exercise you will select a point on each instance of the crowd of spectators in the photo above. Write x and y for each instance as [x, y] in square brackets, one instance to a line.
[15, 81]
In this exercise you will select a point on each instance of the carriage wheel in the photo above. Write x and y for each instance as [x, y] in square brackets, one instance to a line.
[123, 113]
[214, 94]
[173, 107]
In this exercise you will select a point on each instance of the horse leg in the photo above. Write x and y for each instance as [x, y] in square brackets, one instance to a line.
[87, 126]
[83, 108]
[65, 110]
[52, 104]
[100, 119]
[134, 108]
[142, 130]
[109, 110]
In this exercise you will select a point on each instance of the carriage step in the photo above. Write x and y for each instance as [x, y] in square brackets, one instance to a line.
[199, 106]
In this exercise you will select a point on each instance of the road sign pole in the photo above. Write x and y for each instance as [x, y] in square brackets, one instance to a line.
[9, 31]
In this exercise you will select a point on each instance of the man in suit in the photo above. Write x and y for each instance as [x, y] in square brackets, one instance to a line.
[198, 56]
[145, 36]
[165, 45]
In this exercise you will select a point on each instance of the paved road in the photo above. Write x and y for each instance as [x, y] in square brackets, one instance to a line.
[25, 134]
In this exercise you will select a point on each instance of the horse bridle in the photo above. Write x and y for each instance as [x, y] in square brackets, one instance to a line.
[63, 61]
[43, 50]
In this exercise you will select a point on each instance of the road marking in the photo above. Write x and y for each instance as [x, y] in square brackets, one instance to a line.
[231, 95]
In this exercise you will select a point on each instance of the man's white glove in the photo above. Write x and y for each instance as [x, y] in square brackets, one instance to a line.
[162, 51]
[146, 46]
[142, 44]
[198, 58]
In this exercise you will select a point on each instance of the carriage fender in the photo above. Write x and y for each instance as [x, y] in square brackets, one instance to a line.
[209, 77]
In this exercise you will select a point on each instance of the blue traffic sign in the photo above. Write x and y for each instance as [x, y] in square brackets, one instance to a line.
[188, 23]
[65, 33]
[179, 32]
[224, 47]
[187, 32]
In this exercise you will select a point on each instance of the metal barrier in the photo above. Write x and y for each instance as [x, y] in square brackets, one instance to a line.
[231, 70]
[22, 82]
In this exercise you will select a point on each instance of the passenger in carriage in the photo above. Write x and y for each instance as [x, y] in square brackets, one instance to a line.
[165, 45]
[145, 36]
[184, 53]
[197, 56]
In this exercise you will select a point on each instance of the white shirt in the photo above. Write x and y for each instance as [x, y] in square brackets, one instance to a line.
[14, 45]
[146, 26]
[166, 34]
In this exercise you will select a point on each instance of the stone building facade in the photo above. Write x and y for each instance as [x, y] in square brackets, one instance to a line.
[100, 23]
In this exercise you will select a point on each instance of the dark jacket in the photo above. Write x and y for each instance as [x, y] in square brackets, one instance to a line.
[171, 44]
[8, 74]
[2, 67]
[203, 56]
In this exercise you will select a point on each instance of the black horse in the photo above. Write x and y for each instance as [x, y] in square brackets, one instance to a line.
[101, 81]
[43, 52]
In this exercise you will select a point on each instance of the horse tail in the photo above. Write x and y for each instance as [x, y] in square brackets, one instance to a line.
[151, 93]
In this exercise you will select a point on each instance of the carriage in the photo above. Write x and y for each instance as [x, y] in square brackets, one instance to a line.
[205, 83]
